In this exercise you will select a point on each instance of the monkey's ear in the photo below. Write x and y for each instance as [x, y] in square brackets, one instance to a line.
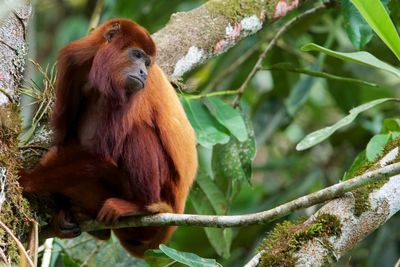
[112, 31]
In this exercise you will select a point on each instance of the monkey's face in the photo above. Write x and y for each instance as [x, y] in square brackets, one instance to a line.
[136, 71]
[121, 65]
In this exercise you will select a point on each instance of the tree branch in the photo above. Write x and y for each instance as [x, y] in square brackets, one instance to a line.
[382, 203]
[190, 38]
[167, 219]
[19, 244]
[270, 45]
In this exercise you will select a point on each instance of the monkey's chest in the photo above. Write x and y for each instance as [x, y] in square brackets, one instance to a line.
[89, 123]
[145, 159]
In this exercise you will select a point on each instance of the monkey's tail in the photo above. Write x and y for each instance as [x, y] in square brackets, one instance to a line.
[137, 240]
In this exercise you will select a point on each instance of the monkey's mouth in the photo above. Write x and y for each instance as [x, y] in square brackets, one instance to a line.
[134, 83]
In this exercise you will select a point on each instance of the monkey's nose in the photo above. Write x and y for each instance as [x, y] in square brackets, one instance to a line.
[143, 74]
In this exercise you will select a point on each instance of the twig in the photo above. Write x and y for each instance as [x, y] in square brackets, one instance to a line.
[33, 242]
[219, 93]
[95, 19]
[3, 258]
[397, 263]
[270, 45]
[168, 219]
[10, 98]
[255, 260]
[94, 251]
[48, 248]
[231, 68]
[19, 244]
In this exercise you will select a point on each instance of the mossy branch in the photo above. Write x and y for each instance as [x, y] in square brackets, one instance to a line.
[168, 219]
[191, 38]
[353, 216]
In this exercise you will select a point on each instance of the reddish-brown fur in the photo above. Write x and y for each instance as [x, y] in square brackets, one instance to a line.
[116, 154]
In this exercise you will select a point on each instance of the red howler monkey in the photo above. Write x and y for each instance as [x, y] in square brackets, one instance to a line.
[123, 144]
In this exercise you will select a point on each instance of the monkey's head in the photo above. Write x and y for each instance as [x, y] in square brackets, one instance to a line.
[122, 63]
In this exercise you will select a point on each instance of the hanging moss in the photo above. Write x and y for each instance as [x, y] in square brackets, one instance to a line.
[287, 238]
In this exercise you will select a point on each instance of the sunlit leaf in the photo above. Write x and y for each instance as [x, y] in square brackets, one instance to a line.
[357, 164]
[375, 146]
[187, 258]
[375, 14]
[208, 130]
[362, 57]
[157, 258]
[228, 117]
[289, 67]
[318, 136]
[391, 125]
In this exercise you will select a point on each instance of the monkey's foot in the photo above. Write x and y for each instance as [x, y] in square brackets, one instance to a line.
[115, 208]
[64, 226]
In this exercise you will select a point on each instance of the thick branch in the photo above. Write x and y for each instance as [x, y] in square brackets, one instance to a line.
[380, 203]
[191, 38]
[384, 203]
[250, 219]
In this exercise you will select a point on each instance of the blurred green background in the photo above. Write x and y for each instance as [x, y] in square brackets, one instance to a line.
[280, 173]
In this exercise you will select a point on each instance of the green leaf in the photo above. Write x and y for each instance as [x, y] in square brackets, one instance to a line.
[233, 161]
[213, 193]
[391, 125]
[375, 14]
[289, 67]
[363, 58]
[111, 253]
[318, 136]
[394, 7]
[208, 131]
[228, 117]
[358, 30]
[358, 162]
[219, 238]
[157, 258]
[68, 261]
[375, 146]
[299, 94]
[188, 259]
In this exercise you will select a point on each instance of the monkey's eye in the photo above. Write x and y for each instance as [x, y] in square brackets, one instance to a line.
[137, 54]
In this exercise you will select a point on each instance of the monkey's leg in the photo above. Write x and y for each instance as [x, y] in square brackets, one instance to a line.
[115, 208]
[60, 176]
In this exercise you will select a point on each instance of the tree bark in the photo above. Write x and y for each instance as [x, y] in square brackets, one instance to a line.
[13, 208]
[191, 38]
[188, 40]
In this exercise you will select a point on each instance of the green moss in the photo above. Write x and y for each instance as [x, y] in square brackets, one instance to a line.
[271, 6]
[275, 246]
[287, 238]
[326, 261]
[361, 195]
[235, 10]
[15, 212]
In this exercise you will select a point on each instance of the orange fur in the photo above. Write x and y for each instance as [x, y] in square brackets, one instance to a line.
[116, 154]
